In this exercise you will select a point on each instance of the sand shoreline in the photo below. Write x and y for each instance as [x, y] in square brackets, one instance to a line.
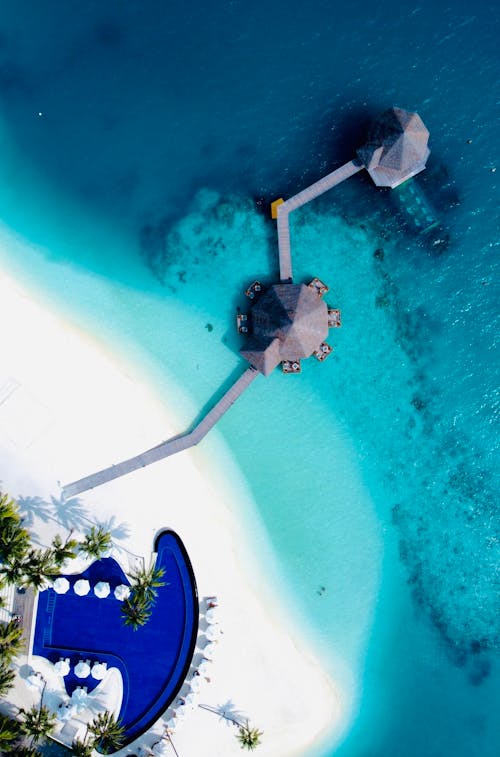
[62, 416]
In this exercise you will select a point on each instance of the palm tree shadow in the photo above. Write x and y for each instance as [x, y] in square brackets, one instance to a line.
[70, 513]
[228, 713]
[31, 508]
[117, 531]
[9, 709]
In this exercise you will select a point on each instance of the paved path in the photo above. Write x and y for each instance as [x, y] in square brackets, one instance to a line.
[308, 194]
[170, 447]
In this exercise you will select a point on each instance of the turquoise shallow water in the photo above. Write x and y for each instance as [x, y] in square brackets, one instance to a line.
[141, 189]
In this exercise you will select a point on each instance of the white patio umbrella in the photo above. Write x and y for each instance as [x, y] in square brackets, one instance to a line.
[122, 592]
[79, 698]
[204, 667]
[208, 651]
[65, 711]
[212, 615]
[52, 700]
[81, 587]
[99, 670]
[181, 712]
[171, 724]
[161, 748]
[61, 585]
[102, 589]
[195, 683]
[82, 670]
[35, 681]
[213, 633]
[189, 700]
[62, 667]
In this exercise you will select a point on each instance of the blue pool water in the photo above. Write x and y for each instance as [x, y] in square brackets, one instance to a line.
[140, 191]
[153, 660]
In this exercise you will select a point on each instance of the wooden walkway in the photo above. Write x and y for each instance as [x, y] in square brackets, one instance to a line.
[308, 194]
[23, 607]
[171, 446]
[193, 437]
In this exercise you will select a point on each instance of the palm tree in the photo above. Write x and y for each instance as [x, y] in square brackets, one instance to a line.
[249, 738]
[9, 632]
[7, 676]
[25, 751]
[8, 733]
[11, 571]
[37, 723]
[108, 731]
[9, 510]
[8, 507]
[11, 640]
[96, 543]
[136, 611]
[146, 581]
[82, 748]
[14, 541]
[63, 551]
[3, 603]
[38, 567]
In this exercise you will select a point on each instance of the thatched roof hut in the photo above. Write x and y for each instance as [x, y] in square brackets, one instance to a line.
[289, 322]
[262, 354]
[396, 148]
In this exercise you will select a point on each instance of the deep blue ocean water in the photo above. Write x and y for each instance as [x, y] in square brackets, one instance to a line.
[142, 190]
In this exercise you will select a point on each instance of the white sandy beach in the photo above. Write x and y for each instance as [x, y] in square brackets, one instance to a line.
[68, 408]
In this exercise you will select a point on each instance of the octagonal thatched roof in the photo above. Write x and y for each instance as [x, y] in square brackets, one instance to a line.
[289, 322]
[396, 148]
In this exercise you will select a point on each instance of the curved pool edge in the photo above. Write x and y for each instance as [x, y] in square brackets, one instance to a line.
[142, 728]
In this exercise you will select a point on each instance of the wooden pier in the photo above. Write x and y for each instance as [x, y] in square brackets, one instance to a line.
[168, 448]
[310, 193]
[193, 437]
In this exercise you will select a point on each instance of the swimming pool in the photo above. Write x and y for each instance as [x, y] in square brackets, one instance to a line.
[153, 660]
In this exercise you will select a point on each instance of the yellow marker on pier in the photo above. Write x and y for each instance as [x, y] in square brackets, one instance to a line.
[274, 207]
